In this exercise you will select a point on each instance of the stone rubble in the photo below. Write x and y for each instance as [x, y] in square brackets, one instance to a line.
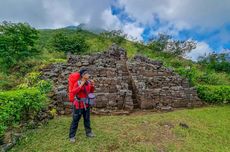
[121, 83]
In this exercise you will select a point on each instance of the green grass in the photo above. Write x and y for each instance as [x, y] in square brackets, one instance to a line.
[208, 131]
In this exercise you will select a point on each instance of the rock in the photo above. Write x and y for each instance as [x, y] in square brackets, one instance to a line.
[84, 63]
[183, 125]
[6, 147]
[166, 124]
[78, 64]
[62, 112]
[166, 108]
[61, 87]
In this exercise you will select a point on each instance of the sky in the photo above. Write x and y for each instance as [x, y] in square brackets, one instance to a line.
[205, 21]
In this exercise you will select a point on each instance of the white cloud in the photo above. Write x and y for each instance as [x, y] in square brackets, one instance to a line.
[202, 49]
[173, 15]
[112, 22]
[133, 31]
[59, 13]
[225, 51]
[54, 13]
[182, 14]
[168, 29]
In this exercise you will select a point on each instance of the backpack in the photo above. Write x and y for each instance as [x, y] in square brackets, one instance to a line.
[73, 78]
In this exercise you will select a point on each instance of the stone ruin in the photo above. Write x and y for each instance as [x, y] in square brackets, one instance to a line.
[122, 84]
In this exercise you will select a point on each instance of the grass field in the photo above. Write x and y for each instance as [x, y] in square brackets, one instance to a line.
[208, 130]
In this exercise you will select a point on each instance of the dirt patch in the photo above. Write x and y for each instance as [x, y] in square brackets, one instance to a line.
[113, 147]
[166, 136]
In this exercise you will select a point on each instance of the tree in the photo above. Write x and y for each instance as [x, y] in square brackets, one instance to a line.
[158, 43]
[74, 43]
[164, 42]
[218, 62]
[180, 48]
[117, 36]
[17, 43]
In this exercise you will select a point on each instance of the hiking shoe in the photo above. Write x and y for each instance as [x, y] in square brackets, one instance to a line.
[72, 140]
[91, 134]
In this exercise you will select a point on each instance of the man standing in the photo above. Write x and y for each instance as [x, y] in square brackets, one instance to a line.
[80, 89]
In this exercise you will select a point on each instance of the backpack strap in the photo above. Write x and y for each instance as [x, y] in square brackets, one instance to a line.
[86, 92]
[78, 82]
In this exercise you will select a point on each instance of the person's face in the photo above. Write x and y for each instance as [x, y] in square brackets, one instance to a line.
[86, 76]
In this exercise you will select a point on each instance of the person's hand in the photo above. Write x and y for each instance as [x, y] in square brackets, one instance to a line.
[83, 82]
[92, 82]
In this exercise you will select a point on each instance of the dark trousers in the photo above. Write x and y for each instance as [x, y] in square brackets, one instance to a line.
[76, 118]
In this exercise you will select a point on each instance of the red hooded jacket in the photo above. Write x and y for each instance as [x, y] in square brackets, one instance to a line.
[80, 92]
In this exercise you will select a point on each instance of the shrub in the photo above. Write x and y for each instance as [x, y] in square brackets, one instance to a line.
[8, 82]
[214, 94]
[189, 72]
[17, 43]
[44, 86]
[196, 76]
[74, 43]
[164, 42]
[218, 62]
[210, 78]
[32, 79]
[116, 36]
[17, 105]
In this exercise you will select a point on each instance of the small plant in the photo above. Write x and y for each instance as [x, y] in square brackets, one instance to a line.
[33, 80]
[44, 86]
[53, 112]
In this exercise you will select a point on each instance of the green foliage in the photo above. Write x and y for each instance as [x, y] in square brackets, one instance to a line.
[164, 42]
[8, 82]
[116, 36]
[44, 86]
[211, 78]
[24, 102]
[196, 76]
[189, 73]
[159, 43]
[74, 43]
[17, 105]
[17, 43]
[53, 112]
[214, 94]
[32, 79]
[217, 62]
[156, 46]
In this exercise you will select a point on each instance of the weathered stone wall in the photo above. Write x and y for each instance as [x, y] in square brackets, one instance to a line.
[122, 84]
[159, 87]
